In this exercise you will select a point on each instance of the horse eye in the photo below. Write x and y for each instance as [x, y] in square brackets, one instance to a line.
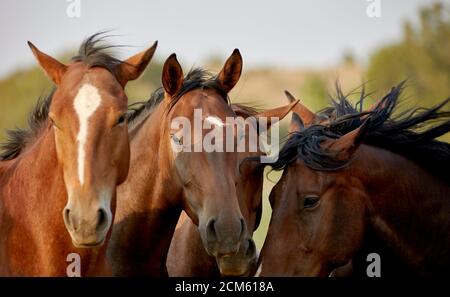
[176, 140]
[121, 120]
[310, 201]
[53, 122]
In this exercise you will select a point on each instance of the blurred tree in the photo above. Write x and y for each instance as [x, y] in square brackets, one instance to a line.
[422, 57]
[18, 94]
[314, 91]
[214, 62]
[140, 89]
[348, 58]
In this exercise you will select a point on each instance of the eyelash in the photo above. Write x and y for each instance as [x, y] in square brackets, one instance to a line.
[310, 201]
[122, 119]
[176, 139]
[53, 124]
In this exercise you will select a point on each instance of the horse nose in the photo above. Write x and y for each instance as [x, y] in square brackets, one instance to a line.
[87, 227]
[69, 220]
[211, 234]
[102, 219]
[73, 223]
[226, 235]
[243, 229]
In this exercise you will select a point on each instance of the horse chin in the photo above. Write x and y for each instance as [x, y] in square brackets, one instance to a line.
[234, 271]
[230, 266]
[345, 270]
[88, 245]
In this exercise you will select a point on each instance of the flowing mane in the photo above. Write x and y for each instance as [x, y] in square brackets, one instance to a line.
[93, 52]
[411, 134]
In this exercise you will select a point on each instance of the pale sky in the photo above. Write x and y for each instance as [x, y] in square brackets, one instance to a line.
[285, 33]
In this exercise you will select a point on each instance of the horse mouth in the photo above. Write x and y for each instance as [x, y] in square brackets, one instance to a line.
[87, 245]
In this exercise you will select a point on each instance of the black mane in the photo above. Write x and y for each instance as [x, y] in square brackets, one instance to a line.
[196, 78]
[18, 139]
[93, 52]
[411, 134]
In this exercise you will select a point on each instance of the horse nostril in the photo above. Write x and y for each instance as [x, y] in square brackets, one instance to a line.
[70, 220]
[102, 219]
[251, 250]
[243, 229]
[66, 215]
[211, 231]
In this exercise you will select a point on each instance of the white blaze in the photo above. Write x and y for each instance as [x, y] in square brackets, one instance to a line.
[86, 103]
[215, 121]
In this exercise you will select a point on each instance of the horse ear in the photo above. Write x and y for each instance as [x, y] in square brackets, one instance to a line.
[296, 124]
[307, 116]
[347, 144]
[52, 67]
[133, 67]
[172, 75]
[276, 113]
[231, 71]
[289, 96]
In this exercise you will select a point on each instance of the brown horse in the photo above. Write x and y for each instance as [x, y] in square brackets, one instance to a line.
[187, 257]
[351, 188]
[164, 181]
[58, 180]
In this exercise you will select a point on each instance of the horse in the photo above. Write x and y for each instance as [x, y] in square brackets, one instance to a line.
[187, 257]
[58, 178]
[163, 180]
[368, 182]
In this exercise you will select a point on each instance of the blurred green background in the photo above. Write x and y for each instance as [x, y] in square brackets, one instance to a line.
[422, 56]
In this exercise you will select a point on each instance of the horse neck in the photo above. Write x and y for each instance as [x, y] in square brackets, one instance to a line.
[31, 183]
[3, 165]
[408, 206]
[34, 176]
[147, 201]
[149, 162]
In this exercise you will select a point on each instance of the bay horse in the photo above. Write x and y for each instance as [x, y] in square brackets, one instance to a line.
[187, 257]
[365, 183]
[163, 182]
[58, 179]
